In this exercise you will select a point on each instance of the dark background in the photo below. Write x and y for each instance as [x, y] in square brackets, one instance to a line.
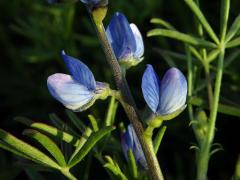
[32, 34]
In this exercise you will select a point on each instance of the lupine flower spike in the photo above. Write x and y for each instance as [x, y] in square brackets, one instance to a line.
[129, 141]
[79, 90]
[167, 98]
[126, 41]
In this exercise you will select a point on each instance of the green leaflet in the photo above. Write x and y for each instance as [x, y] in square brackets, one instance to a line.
[93, 122]
[181, 37]
[163, 23]
[235, 42]
[110, 115]
[62, 135]
[225, 7]
[114, 168]
[158, 139]
[233, 29]
[82, 141]
[62, 125]
[195, 9]
[48, 144]
[27, 150]
[132, 164]
[92, 140]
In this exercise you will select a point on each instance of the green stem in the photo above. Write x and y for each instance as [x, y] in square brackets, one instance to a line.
[190, 81]
[209, 83]
[127, 99]
[67, 173]
[204, 154]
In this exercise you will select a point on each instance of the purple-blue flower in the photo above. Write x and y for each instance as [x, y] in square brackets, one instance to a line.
[95, 3]
[129, 141]
[125, 39]
[76, 91]
[166, 96]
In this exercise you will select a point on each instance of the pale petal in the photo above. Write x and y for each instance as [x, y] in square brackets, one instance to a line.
[173, 92]
[69, 92]
[139, 41]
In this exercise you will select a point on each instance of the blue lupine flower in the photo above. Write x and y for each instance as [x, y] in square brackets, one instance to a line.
[79, 90]
[167, 96]
[125, 39]
[129, 141]
[95, 3]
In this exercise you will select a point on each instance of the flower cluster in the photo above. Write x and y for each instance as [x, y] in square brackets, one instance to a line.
[79, 90]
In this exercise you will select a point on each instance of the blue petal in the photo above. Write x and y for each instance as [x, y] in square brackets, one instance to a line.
[139, 41]
[173, 91]
[127, 143]
[121, 36]
[151, 88]
[136, 147]
[79, 71]
[70, 93]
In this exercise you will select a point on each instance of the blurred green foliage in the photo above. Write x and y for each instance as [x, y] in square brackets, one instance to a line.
[32, 33]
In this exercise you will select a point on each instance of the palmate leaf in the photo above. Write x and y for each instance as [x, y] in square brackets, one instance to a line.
[114, 168]
[62, 125]
[92, 140]
[50, 130]
[181, 37]
[195, 9]
[48, 144]
[82, 141]
[25, 150]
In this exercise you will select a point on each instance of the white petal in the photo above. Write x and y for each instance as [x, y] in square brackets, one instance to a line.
[139, 41]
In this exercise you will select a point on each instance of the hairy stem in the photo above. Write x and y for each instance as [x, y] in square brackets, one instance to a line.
[128, 101]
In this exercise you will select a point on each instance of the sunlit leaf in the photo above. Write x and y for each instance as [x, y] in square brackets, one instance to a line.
[48, 144]
[29, 151]
[181, 37]
[64, 136]
[92, 140]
